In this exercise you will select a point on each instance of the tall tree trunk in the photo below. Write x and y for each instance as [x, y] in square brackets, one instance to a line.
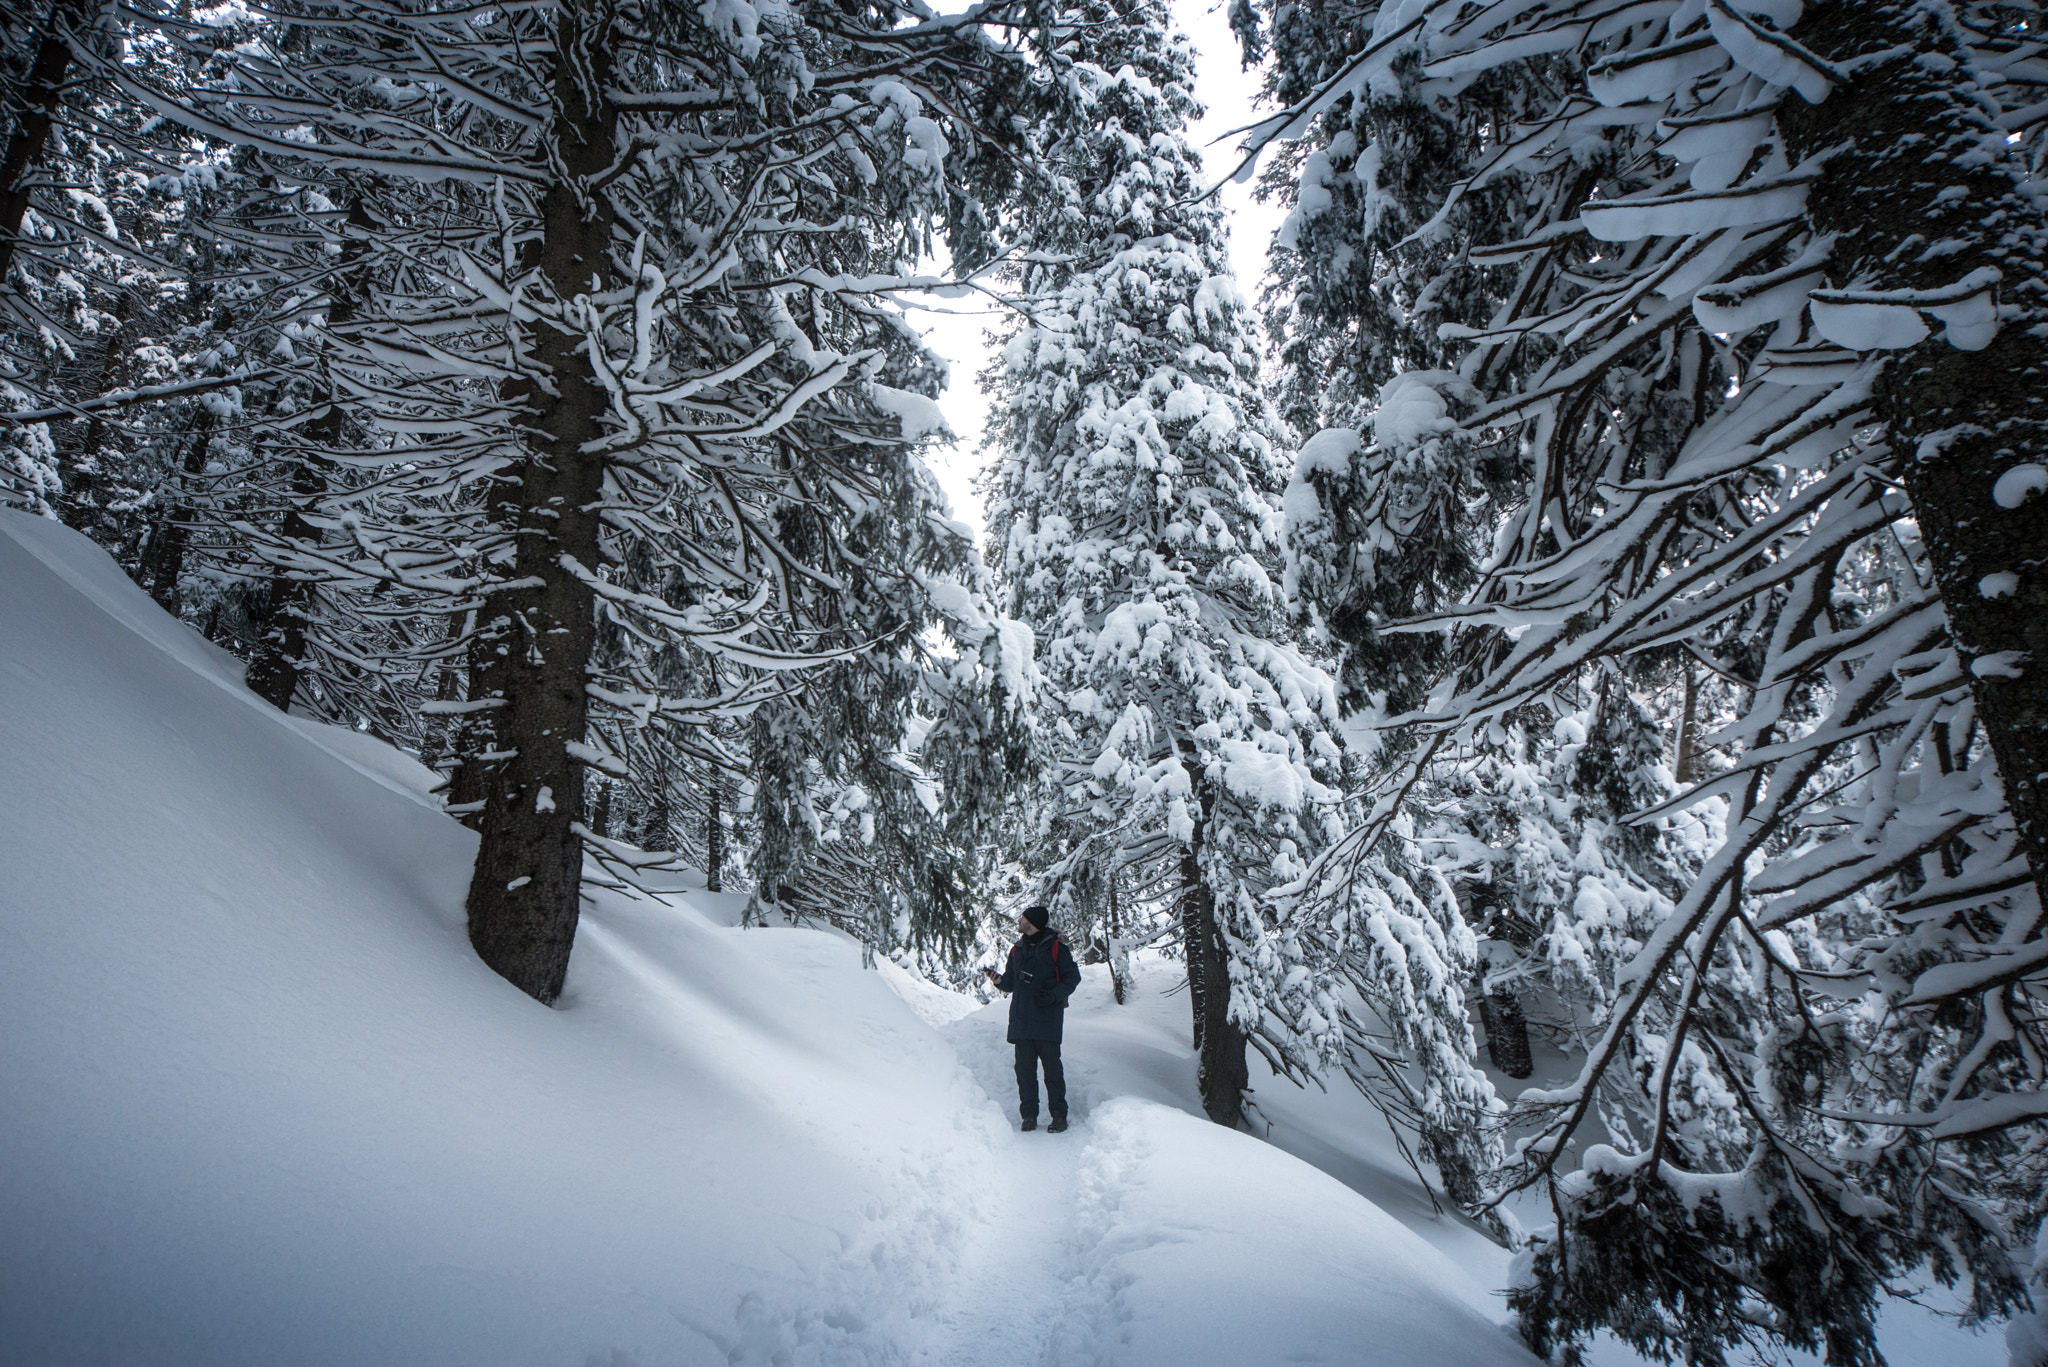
[163, 563]
[40, 96]
[1907, 136]
[281, 645]
[714, 834]
[1118, 987]
[1219, 1043]
[1681, 750]
[76, 469]
[523, 897]
[1192, 939]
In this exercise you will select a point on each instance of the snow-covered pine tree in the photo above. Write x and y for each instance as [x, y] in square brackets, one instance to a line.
[1752, 264]
[34, 59]
[1132, 516]
[152, 305]
[604, 333]
[877, 781]
[82, 312]
[137, 325]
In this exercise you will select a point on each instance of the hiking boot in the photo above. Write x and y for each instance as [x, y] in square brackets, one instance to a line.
[1031, 1123]
[1058, 1126]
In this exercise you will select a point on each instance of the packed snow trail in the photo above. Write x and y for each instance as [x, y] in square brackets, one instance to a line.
[260, 1103]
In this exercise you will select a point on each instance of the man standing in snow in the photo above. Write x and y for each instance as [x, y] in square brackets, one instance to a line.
[1040, 977]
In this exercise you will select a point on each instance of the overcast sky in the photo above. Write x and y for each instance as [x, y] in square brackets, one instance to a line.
[959, 334]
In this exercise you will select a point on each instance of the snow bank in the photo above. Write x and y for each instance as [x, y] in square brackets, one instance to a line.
[262, 1104]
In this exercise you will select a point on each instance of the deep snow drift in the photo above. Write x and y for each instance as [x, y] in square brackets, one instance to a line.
[259, 1103]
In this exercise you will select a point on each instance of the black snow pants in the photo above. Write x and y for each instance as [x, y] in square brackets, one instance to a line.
[1031, 1053]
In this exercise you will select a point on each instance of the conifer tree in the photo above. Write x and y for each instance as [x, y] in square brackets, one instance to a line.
[623, 335]
[1712, 418]
[1132, 524]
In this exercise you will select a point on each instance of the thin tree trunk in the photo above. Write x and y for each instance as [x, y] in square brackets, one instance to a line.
[40, 96]
[1191, 940]
[1906, 136]
[1117, 986]
[601, 809]
[714, 834]
[1681, 757]
[523, 897]
[75, 470]
[163, 564]
[281, 646]
[1219, 1043]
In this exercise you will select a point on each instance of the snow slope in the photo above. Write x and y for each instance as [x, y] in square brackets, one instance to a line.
[1141, 1050]
[260, 1104]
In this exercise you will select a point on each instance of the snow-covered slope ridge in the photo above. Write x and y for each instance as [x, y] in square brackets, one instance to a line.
[260, 1104]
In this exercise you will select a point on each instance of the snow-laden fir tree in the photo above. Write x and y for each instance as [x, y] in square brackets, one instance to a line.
[1760, 347]
[119, 278]
[623, 335]
[876, 784]
[1133, 518]
[163, 305]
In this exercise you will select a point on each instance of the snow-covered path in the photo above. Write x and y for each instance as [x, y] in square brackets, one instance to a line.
[1142, 1235]
[1012, 1281]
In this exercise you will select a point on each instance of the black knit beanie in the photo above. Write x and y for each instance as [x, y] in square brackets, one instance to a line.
[1037, 916]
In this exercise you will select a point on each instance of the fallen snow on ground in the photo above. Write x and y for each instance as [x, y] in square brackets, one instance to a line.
[259, 1102]
[934, 1005]
[263, 1105]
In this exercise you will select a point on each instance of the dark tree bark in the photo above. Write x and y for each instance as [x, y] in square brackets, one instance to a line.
[1220, 1067]
[1507, 1030]
[40, 96]
[76, 468]
[714, 835]
[601, 809]
[1119, 988]
[660, 832]
[281, 646]
[163, 562]
[523, 897]
[1908, 169]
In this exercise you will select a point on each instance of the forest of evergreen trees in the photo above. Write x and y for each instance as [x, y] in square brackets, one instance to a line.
[1565, 654]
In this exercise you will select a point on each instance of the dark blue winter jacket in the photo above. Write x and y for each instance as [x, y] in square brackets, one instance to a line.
[1041, 975]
